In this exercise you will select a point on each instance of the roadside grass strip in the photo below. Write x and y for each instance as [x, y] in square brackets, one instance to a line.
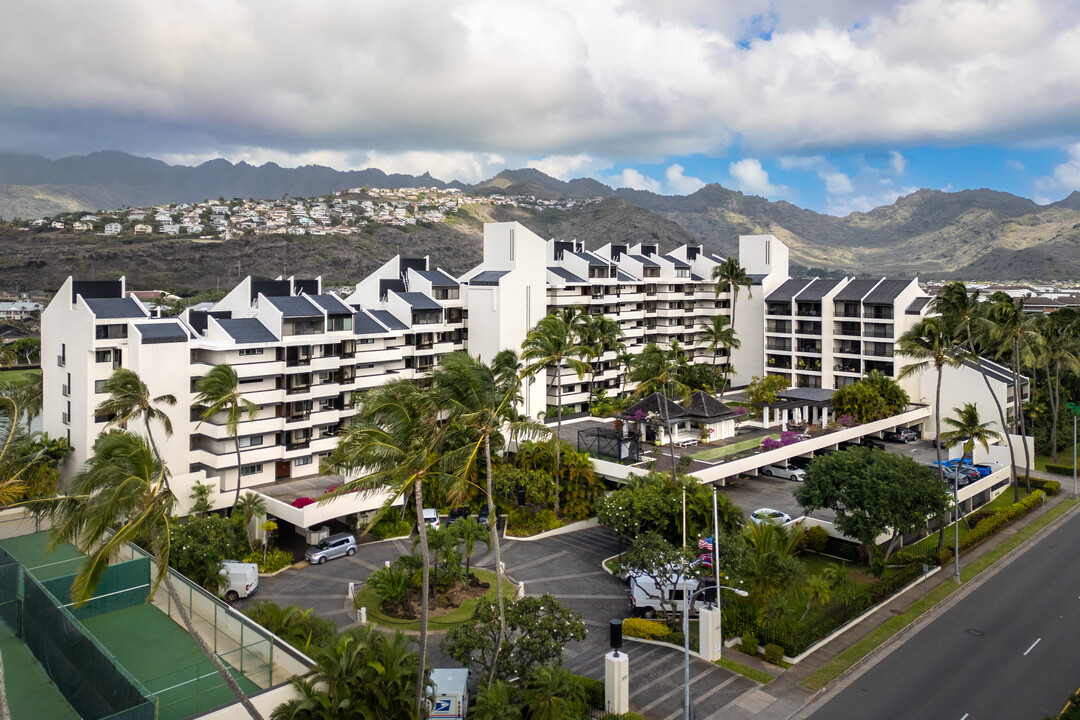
[723, 451]
[735, 667]
[848, 658]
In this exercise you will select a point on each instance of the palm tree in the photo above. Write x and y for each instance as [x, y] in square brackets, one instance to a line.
[129, 399]
[397, 443]
[122, 496]
[1060, 350]
[1014, 329]
[729, 275]
[482, 398]
[964, 315]
[497, 701]
[719, 333]
[969, 430]
[28, 396]
[469, 531]
[930, 342]
[601, 334]
[219, 391]
[551, 693]
[556, 341]
[251, 505]
[660, 371]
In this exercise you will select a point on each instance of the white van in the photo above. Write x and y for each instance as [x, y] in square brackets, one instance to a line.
[645, 595]
[241, 579]
[450, 694]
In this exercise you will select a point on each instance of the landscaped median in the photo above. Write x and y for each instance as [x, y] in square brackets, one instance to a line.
[439, 618]
[849, 657]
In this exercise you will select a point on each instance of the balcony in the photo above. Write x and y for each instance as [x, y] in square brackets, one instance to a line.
[809, 310]
[851, 329]
[813, 347]
[878, 331]
[298, 445]
[808, 328]
[848, 348]
[811, 364]
[781, 309]
[297, 389]
[875, 312]
[849, 366]
[61, 361]
[779, 362]
[778, 327]
[778, 345]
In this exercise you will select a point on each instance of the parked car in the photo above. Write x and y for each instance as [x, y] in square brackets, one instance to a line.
[867, 441]
[963, 476]
[900, 435]
[764, 515]
[241, 579]
[785, 471]
[483, 515]
[335, 546]
[457, 513]
[647, 598]
[431, 517]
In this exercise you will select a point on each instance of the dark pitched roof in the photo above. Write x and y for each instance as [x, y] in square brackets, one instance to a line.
[626, 277]
[419, 301]
[807, 395]
[886, 292]
[247, 330]
[387, 318]
[365, 324]
[96, 289]
[855, 290]
[594, 260]
[705, 406]
[817, 290]
[645, 262]
[115, 308]
[654, 403]
[332, 304]
[437, 278]
[487, 277]
[270, 288]
[294, 307]
[755, 279]
[565, 274]
[916, 306]
[676, 261]
[163, 332]
[788, 290]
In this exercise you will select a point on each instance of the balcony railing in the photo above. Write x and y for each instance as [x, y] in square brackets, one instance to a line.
[299, 445]
[298, 389]
[61, 361]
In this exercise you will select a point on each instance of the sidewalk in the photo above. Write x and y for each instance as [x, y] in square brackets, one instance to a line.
[785, 698]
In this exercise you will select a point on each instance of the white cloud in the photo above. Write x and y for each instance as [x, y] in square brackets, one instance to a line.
[864, 202]
[567, 167]
[897, 163]
[1066, 176]
[631, 178]
[837, 183]
[1015, 165]
[681, 184]
[751, 178]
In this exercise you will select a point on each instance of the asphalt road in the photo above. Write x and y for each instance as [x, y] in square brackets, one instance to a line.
[1009, 650]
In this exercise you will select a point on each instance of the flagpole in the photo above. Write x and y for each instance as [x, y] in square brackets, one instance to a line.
[715, 551]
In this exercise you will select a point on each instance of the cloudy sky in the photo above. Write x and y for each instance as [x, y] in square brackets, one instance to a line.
[833, 105]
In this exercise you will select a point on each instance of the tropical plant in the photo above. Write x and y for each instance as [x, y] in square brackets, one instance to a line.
[123, 496]
[299, 627]
[555, 342]
[657, 370]
[875, 397]
[27, 394]
[200, 497]
[1058, 351]
[129, 399]
[392, 586]
[719, 333]
[553, 693]
[219, 392]
[497, 701]
[769, 568]
[600, 334]
[397, 442]
[468, 532]
[730, 275]
[969, 430]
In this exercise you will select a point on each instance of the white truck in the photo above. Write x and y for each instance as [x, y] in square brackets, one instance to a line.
[241, 579]
[646, 595]
[450, 693]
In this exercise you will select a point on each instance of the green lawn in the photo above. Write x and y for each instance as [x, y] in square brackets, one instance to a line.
[716, 453]
[366, 598]
[18, 377]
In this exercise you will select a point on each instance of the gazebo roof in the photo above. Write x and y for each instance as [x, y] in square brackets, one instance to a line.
[704, 406]
[657, 403]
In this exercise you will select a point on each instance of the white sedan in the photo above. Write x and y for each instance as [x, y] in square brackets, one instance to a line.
[790, 472]
[431, 517]
[766, 515]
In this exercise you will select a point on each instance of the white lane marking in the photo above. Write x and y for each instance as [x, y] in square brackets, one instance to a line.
[1032, 646]
[965, 716]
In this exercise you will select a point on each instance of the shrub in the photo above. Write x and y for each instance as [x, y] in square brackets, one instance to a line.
[646, 629]
[522, 523]
[1059, 469]
[1050, 487]
[389, 527]
[978, 516]
[774, 654]
[276, 559]
[302, 502]
[749, 643]
[593, 690]
[945, 555]
[816, 538]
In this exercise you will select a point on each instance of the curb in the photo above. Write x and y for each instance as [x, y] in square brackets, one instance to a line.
[572, 527]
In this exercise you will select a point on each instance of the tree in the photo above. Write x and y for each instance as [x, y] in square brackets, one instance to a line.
[1059, 350]
[439, 543]
[871, 493]
[929, 342]
[968, 429]
[537, 629]
[497, 701]
[129, 399]
[122, 496]
[875, 397]
[769, 568]
[662, 371]
[200, 544]
[719, 333]
[27, 394]
[1015, 330]
[729, 275]
[219, 392]
[469, 531]
[556, 341]
[553, 693]
[600, 334]
[24, 458]
[397, 443]
[766, 390]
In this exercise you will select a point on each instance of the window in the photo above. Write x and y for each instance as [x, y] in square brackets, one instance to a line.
[301, 461]
[251, 441]
[249, 381]
[245, 352]
[247, 470]
[103, 356]
[110, 332]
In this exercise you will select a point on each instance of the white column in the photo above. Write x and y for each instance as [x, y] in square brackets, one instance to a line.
[617, 683]
[710, 640]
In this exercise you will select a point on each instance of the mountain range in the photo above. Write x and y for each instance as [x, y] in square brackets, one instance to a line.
[971, 234]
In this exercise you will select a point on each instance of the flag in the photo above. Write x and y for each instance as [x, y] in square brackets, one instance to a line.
[705, 543]
[704, 560]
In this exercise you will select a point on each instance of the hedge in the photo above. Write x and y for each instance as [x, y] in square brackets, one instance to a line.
[1059, 469]
[646, 629]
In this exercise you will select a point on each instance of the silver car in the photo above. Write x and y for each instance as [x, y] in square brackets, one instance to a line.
[332, 547]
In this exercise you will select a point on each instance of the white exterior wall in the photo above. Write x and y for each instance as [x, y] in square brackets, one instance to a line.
[759, 255]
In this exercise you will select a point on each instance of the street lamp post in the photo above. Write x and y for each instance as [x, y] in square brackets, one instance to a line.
[1075, 408]
[686, 630]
